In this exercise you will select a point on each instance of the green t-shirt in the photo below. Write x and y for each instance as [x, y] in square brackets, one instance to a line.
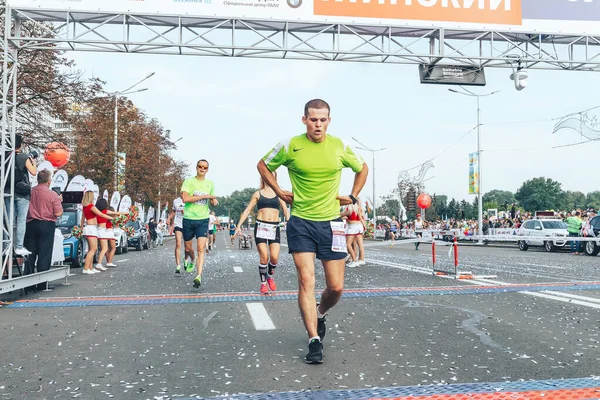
[195, 187]
[315, 171]
[573, 224]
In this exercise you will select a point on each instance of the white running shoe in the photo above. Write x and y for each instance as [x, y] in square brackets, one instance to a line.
[88, 272]
[111, 265]
[22, 251]
[100, 267]
[352, 264]
[361, 263]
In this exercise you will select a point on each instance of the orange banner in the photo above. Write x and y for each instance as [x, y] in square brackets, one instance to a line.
[505, 12]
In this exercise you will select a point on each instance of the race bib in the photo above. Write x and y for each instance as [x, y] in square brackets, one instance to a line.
[201, 202]
[266, 231]
[338, 242]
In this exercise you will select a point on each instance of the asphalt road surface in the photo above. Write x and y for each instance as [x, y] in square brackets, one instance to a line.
[527, 326]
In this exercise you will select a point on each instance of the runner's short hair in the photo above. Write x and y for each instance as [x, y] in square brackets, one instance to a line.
[316, 104]
[199, 161]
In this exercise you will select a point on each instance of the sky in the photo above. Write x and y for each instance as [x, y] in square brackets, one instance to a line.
[232, 111]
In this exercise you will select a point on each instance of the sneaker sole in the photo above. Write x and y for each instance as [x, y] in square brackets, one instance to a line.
[196, 284]
[313, 362]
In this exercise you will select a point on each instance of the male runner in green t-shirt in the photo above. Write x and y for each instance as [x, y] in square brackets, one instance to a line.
[196, 191]
[315, 161]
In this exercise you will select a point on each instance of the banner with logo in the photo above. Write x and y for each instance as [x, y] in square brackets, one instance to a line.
[96, 191]
[60, 180]
[105, 195]
[548, 16]
[77, 184]
[115, 200]
[125, 204]
[473, 174]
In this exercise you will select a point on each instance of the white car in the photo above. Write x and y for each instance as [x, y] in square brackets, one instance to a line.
[543, 232]
[121, 241]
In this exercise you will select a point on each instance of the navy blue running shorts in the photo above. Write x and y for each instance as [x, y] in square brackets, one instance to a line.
[306, 236]
[195, 228]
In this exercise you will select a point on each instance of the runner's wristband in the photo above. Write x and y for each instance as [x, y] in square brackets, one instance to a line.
[354, 201]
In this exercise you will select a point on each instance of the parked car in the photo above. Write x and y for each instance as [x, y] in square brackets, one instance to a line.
[140, 238]
[593, 248]
[120, 241]
[74, 249]
[543, 232]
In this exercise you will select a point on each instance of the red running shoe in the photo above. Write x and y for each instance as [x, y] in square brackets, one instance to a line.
[263, 288]
[272, 284]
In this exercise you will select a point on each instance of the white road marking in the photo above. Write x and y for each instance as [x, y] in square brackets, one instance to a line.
[207, 319]
[551, 295]
[237, 269]
[126, 259]
[260, 317]
[542, 266]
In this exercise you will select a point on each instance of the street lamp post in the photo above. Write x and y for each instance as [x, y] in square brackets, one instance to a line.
[373, 176]
[479, 191]
[116, 135]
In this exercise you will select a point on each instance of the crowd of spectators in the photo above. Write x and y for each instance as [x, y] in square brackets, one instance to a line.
[509, 220]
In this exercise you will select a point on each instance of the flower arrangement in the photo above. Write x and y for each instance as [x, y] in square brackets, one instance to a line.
[129, 231]
[77, 232]
[120, 220]
[133, 213]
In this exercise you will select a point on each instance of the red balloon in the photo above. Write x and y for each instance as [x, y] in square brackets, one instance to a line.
[57, 154]
[424, 200]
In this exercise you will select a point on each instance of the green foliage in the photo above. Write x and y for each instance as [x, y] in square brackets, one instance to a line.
[389, 208]
[234, 204]
[498, 198]
[593, 200]
[540, 194]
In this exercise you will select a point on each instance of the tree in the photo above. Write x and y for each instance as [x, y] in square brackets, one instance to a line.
[498, 198]
[47, 84]
[145, 142]
[593, 200]
[234, 204]
[389, 208]
[539, 194]
[572, 200]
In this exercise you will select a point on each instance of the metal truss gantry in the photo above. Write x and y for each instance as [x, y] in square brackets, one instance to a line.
[238, 37]
[255, 38]
[7, 156]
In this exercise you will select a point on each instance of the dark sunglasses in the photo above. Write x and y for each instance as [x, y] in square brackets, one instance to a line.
[201, 167]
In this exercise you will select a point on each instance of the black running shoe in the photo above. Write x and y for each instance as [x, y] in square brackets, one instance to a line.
[315, 352]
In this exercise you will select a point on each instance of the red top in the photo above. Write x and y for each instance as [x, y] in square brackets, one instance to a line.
[101, 220]
[353, 217]
[44, 204]
[87, 212]
[108, 222]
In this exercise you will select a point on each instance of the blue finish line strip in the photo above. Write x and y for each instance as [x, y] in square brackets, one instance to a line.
[350, 293]
[461, 391]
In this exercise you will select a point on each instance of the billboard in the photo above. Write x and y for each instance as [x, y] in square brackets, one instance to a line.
[548, 16]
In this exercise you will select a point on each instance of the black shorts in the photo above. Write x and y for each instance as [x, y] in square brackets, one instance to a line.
[195, 228]
[178, 229]
[267, 241]
[306, 236]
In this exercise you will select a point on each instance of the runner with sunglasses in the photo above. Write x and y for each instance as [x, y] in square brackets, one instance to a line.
[196, 192]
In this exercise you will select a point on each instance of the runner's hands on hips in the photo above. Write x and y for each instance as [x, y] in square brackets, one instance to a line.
[286, 196]
[344, 200]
